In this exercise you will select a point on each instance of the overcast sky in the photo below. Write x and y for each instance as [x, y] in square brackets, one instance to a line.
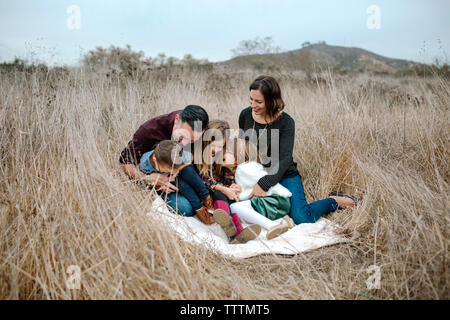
[60, 31]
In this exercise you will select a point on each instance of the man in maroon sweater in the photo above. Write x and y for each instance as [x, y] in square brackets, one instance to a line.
[184, 126]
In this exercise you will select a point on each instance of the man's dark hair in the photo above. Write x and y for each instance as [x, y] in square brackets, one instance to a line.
[193, 113]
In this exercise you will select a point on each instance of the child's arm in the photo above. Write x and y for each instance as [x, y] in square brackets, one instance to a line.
[228, 192]
[184, 166]
[187, 160]
[236, 188]
[209, 181]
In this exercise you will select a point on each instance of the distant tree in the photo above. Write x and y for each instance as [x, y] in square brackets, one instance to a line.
[255, 46]
[125, 61]
[188, 60]
[116, 59]
[171, 61]
[161, 59]
[306, 44]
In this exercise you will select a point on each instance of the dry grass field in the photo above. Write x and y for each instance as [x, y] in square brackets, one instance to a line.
[65, 201]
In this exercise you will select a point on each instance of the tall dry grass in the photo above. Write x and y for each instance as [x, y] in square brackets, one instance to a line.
[64, 200]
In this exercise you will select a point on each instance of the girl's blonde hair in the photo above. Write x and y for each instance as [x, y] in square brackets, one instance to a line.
[243, 150]
[215, 129]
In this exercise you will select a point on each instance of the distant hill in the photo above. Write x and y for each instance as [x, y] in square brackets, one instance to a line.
[321, 55]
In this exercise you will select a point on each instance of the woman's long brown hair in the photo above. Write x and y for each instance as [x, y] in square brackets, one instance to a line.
[216, 128]
[271, 91]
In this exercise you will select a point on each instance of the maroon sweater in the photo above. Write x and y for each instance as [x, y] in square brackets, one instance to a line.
[149, 134]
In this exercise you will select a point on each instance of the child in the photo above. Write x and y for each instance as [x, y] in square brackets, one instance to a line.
[220, 182]
[272, 210]
[169, 157]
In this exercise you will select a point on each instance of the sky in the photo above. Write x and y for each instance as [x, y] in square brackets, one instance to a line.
[59, 32]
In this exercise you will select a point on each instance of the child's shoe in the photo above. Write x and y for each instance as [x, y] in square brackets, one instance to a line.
[289, 221]
[204, 216]
[208, 203]
[279, 229]
[225, 221]
[249, 233]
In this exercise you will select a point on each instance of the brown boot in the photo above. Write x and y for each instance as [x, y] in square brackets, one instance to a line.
[204, 215]
[208, 203]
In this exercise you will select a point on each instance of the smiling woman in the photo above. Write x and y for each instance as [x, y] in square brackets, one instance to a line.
[265, 99]
[266, 115]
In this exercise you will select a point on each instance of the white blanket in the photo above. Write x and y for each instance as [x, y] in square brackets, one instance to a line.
[303, 237]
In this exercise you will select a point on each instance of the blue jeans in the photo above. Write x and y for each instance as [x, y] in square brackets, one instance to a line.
[191, 189]
[178, 203]
[301, 210]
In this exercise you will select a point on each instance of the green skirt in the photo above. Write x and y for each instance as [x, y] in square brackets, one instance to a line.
[272, 207]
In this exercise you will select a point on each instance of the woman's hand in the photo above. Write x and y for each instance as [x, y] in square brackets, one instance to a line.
[257, 192]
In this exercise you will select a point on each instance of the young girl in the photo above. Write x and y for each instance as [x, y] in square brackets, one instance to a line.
[221, 183]
[272, 210]
[168, 157]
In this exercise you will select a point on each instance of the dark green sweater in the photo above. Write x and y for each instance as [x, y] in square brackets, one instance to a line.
[286, 126]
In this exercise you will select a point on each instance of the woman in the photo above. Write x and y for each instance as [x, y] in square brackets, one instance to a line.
[263, 116]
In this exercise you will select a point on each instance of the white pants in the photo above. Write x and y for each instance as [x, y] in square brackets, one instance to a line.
[246, 212]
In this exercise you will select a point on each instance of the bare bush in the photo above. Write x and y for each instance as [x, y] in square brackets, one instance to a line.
[255, 46]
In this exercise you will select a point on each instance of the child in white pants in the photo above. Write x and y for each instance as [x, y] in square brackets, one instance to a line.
[246, 176]
[245, 211]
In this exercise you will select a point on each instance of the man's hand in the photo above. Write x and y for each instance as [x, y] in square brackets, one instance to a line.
[257, 192]
[166, 187]
[162, 182]
[157, 178]
[173, 176]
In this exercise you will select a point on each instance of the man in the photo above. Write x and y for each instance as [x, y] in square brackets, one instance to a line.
[184, 126]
